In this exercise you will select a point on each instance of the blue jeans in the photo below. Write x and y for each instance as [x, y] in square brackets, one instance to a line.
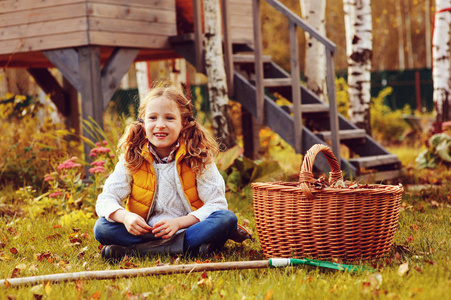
[216, 229]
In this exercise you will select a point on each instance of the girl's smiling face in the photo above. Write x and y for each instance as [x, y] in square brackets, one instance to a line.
[163, 124]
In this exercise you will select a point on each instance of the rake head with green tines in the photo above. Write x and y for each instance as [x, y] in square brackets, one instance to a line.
[282, 262]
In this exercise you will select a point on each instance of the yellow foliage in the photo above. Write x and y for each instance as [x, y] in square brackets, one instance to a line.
[76, 218]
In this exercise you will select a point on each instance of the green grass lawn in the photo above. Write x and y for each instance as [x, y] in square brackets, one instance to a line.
[419, 266]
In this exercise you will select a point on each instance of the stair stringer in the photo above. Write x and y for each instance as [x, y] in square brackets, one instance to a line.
[282, 123]
[369, 148]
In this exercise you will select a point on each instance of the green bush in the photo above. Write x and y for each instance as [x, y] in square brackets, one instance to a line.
[386, 125]
[26, 148]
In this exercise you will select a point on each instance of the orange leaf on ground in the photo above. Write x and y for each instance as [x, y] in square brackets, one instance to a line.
[96, 295]
[16, 273]
[53, 236]
[269, 294]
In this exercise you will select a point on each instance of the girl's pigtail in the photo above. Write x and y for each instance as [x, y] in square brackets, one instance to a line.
[132, 143]
[201, 147]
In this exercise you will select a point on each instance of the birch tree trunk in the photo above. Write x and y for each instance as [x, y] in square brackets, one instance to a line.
[359, 52]
[441, 61]
[217, 81]
[408, 35]
[400, 28]
[427, 30]
[313, 12]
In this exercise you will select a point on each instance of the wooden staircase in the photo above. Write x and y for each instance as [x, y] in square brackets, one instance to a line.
[370, 162]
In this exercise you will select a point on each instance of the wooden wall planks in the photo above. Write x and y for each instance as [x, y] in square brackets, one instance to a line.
[28, 25]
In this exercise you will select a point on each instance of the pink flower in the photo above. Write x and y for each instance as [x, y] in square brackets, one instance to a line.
[105, 142]
[103, 150]
[48, 177]
[99, 150]
[55, 194]
[98, 144]
[69, 164]
[99, 169]
[98, 163]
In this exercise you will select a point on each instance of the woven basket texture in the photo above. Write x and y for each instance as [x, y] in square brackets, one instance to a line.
[295, 220]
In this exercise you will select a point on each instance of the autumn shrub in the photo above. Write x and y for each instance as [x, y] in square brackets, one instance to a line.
[30, 141]
[387, 125]
[69, 192]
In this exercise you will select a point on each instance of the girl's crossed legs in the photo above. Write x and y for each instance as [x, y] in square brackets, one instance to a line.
[215, 229]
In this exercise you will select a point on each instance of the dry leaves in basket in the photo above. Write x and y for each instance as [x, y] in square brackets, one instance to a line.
[322, 183]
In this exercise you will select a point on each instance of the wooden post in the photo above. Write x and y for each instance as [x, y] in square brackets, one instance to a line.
[295, 88]
[418, 90]
[333, 111]
[114, 69]
[90, 83]
[198, 36]
[250, 130]
[66, 60]
[259, 88]
[228, 52]
[51, 87]
[74, 107]
[91, 89]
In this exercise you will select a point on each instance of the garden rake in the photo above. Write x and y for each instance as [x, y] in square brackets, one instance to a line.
[178, 269]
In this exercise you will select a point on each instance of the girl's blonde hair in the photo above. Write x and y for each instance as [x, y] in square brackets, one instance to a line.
[201, 148]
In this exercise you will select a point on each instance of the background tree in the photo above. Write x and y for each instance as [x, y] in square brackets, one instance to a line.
[441, 61]
[217, 82]
[313, 11]
[359, 51]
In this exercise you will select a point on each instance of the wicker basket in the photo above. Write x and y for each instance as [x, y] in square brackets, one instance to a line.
[297, 220]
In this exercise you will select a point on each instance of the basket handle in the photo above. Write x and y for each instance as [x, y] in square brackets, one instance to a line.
[306, 179]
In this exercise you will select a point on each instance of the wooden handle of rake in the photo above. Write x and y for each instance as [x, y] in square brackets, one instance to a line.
[127, 273]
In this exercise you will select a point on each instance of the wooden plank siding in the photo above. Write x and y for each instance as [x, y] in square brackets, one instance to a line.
[35, 25]
[241, 23]
[28, 27]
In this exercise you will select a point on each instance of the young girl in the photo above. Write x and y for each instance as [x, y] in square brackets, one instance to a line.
[175, 195]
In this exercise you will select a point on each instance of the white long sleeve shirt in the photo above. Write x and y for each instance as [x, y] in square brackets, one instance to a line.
[170, 200]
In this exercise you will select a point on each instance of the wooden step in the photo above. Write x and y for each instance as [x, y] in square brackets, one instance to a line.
[345, 134]
[309, 108]
[378, 177]
[374, 161]
[244, 58]
[276, 82]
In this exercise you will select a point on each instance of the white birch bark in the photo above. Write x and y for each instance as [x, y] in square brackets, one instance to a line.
[313, 12]
[400, 28]
[217, 81]
[408, 35]
[441, 61]
[359, 52]
[427, 30]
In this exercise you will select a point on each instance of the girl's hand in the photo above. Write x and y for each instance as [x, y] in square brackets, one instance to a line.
[166, 228]
[134, 223]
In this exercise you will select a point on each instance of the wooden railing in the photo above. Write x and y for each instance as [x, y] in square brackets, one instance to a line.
[294, 22]
[330, 47]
